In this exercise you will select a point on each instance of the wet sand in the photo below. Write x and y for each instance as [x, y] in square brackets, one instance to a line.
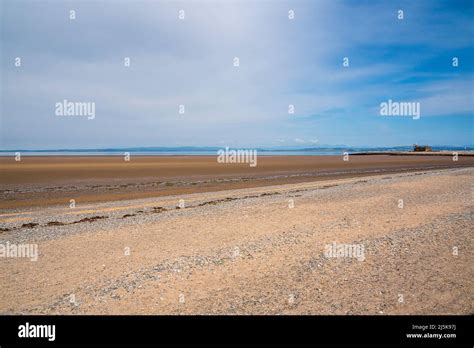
[46, 181]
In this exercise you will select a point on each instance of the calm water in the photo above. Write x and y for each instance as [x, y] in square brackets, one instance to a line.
[213, 151]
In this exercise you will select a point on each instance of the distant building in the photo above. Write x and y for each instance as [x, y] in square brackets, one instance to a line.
[422, 148]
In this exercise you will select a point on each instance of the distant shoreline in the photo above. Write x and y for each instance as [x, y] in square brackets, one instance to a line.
[322, 150]
[260, 153]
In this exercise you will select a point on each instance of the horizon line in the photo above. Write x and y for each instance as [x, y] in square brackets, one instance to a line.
[209, 148]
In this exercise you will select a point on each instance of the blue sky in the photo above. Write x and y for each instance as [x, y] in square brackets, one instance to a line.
[282, 62]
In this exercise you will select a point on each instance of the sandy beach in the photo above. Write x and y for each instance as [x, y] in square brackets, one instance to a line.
[238, 240]
[289, 172]
[45, 181]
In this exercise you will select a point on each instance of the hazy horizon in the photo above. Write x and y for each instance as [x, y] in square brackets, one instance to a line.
[206, 149]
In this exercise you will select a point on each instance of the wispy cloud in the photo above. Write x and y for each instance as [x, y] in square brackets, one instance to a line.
[190, 62]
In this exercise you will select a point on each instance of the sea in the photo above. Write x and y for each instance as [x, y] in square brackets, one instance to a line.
[212, 151]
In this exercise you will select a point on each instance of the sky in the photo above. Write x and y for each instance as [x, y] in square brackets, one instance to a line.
[190, 62]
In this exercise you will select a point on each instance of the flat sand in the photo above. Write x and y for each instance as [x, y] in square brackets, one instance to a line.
[45, 181]
[253, 250]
